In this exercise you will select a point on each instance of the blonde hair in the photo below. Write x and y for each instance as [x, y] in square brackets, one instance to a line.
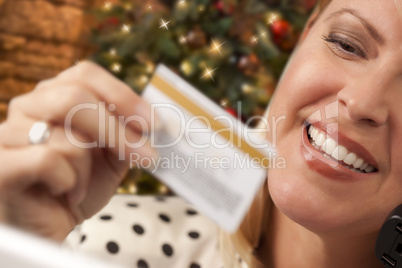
[243, 244]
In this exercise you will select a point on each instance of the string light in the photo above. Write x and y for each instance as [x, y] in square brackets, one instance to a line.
[247, 89]
[208, 72]
[254, 39]
[183, 40]
[107, 5]
[149, 67]
[182, 3]
[112, 52]
[216, 46]
[132, 188]
[142, 80]
[163, 189]
[272, 17]
[125, 28]
[224, 103]
[149, 7]
[164, 24]
[128, 6]
[116, 67]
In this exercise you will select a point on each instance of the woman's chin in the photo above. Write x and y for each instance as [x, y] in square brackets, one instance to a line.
[304, 205]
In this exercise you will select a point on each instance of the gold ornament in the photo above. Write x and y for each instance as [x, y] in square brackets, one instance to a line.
[249, 64]
[201, 8]
[142, 80]
[196, 38]
[186, 68]
[149, 67]
[247, 89]
[163, 189]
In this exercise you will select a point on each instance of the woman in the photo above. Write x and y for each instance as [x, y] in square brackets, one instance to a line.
[324, 213]
[344, 80]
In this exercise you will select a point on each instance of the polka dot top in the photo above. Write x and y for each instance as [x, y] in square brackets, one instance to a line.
[149, 232]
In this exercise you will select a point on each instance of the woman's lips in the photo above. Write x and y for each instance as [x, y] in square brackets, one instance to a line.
[328, 166]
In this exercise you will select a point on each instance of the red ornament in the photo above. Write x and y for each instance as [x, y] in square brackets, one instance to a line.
[113, 21]
[109, 22]
[223, 8]
[283, 35]
[280, 29]
[249, 64]
[231, 111]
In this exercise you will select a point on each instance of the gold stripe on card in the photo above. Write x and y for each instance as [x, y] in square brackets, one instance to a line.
[194, 109]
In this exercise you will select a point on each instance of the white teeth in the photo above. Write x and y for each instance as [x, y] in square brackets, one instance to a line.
[363, 166]
[310, 130]
[350, 158]
[331, 148]
[320, 139]
[369, 169]
[357, 163]
[340, 153]
[314, 133]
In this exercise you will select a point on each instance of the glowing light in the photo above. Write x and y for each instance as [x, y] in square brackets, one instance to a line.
[149, 7]
[183, 40]
[247, 89]
[186, 68]
[224, 102]
[272, 18]
[128, 6]
[125, 28]
[208, 72]
[143, 79]
[149, 67]
[216, 47]
[107, 5]
[201, 8]
[182, 3]
[254, 39]
[116, 67]
[132, 188]
[112, 52]
[263, 34]
[163, 189]
[164, 24]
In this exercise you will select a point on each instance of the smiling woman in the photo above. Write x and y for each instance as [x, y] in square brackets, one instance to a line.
[341, 140]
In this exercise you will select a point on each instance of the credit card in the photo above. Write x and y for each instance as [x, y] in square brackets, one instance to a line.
[205, 155]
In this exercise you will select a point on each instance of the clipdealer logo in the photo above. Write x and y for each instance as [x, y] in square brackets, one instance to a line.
[199, 132]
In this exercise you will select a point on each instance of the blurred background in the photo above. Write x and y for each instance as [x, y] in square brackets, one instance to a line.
[231, 50]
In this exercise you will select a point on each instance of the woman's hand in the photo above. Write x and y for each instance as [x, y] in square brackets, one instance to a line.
[51, 187]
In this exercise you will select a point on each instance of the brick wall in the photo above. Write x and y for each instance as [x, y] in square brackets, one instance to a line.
[38, 39]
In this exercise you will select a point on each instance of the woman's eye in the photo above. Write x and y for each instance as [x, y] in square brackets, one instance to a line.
[344, 46]
[347, 47]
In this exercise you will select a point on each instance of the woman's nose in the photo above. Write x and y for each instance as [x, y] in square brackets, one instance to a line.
[366, 100]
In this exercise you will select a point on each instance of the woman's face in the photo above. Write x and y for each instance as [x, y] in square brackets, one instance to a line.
[346, 80]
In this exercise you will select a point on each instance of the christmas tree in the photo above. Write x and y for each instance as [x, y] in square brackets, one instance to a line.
[233, 51]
